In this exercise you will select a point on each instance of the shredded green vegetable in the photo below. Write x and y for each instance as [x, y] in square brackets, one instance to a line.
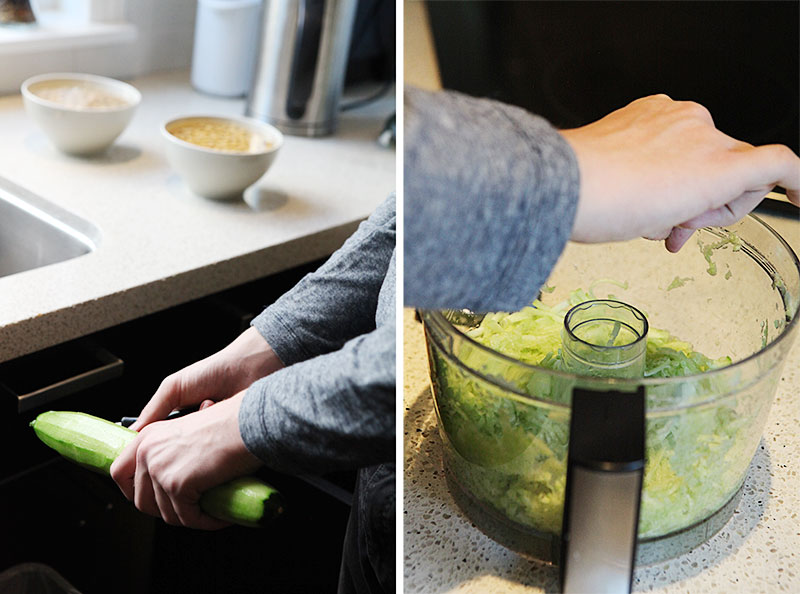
[511, 453]
[679, 282]
[732, 239]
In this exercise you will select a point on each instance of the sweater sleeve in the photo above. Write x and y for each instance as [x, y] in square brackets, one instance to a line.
[335, 411]
[490, 194]
[338, 301]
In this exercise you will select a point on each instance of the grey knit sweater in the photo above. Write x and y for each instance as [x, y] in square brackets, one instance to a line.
[333, 405]
[489, 202]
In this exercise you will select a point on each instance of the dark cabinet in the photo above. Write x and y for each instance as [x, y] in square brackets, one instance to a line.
[79, 523]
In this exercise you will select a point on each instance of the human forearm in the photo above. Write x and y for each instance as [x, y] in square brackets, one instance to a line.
[331, 412]
[339, 300]
[250, 357]
[490, 197]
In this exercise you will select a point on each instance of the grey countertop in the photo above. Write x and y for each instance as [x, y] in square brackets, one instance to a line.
[758, 550]
[160, 244]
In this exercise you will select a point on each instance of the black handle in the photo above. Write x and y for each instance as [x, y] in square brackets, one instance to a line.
[128, 421]
[605, 467]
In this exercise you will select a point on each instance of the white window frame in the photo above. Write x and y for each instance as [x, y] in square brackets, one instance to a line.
[62, 30]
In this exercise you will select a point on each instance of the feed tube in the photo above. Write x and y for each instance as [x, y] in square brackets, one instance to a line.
[604, 338]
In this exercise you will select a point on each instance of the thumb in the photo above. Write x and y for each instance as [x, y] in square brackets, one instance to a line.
[166, 399]
[677, 238]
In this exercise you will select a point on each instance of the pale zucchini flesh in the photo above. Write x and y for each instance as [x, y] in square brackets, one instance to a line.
[246, 501]
[95, 443]
[90, 441]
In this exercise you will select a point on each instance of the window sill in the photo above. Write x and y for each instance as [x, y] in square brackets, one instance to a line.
[63, 35]
[107, 49]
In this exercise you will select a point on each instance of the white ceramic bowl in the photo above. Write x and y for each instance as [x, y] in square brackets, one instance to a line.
[221, 174]
[75, 111]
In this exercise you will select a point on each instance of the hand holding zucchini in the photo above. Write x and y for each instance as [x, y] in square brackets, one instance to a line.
[95, 443]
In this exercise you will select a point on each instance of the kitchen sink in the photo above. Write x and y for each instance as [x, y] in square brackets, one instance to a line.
[35, 232]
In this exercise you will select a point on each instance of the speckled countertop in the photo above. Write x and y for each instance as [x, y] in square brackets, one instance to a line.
[161, 245]
[758, 550]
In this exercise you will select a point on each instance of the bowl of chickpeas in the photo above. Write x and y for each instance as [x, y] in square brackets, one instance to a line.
[220, 157]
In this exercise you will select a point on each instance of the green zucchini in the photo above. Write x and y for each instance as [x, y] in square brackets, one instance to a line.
[95, 443]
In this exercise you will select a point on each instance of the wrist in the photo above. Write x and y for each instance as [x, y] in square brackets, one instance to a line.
[241, 457]
[251, 357]
[573, 138]
[596, 191]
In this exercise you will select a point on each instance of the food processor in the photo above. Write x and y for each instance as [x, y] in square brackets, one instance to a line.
[612, 423]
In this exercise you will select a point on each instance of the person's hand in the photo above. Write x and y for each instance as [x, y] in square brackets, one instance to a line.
[212, 379]
[170, 464]
[660, 169]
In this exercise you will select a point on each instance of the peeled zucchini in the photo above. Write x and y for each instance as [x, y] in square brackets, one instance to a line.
[95, 443]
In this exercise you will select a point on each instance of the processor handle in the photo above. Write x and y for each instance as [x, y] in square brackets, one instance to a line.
[605, 467]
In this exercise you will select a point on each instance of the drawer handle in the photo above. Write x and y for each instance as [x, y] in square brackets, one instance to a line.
[109, 366]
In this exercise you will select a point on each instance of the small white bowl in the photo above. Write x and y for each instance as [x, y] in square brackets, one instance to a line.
[74, 117]
[221, 174]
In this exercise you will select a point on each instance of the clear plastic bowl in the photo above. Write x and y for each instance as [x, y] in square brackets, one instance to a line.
[504, 423]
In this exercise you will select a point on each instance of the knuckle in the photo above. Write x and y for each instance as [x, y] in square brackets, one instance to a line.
[172, 485]
[694, 109]
[652, 100]
[782, 153]
[169, 386]
[169, 381]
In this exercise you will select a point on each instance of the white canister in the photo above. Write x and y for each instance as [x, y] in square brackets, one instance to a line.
[225, 40]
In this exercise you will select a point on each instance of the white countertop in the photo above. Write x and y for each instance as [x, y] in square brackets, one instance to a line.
[162, 245]
[757, 551]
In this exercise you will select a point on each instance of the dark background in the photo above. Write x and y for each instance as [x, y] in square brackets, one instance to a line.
[56, 513]
[573, 62]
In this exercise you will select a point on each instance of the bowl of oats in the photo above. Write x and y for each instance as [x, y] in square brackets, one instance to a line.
[81, 114]
[220, 157]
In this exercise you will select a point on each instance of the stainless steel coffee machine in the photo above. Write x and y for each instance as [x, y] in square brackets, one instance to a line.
[301, 64]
